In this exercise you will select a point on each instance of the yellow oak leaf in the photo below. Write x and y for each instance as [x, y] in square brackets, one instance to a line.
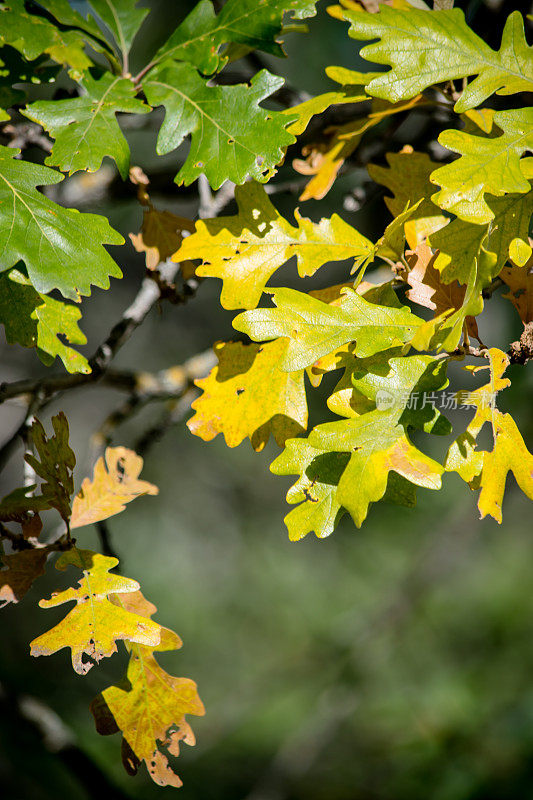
[148, 706]
[488, 470]
[95, 624]
[115, 483]
[509, 454]
[246, 249]
[247, 395]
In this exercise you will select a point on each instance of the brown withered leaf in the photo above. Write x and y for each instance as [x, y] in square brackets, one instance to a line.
[23, 506]
[427, 288]
[160, 235]
[21, 569]
[520, 282]
[54, 464]
[247, 395]
[148, 706]
[115, 482]
[95, 624]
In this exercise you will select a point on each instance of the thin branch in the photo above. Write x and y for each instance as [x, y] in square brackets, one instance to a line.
[174, 415]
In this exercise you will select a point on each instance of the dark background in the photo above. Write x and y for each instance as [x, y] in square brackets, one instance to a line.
[390, 663]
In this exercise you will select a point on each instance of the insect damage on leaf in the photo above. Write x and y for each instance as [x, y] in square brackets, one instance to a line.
[148, 706]
[95, 624]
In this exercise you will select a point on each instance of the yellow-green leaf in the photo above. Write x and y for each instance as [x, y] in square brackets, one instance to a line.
[95, 624]
[245, 250]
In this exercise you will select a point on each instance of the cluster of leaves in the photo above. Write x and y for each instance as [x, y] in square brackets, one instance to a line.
[460, 230]
[149, 706]
[232, 137]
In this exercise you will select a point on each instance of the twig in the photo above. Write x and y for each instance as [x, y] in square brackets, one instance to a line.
[175, 414]
[212, 204]
[25, 133]
[144, 387]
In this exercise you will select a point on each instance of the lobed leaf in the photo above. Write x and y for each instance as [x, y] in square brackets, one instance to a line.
[486, 165]
[54, 463]
[315, 329]
[61, 248]
[95, 623]
[460, 242]
[115, 482]
[232, 137]
[245, 250]
[85, 129]
[37, 320]
[148, 706]
[427, 47]
[256, 24]
[33, 35]
[248, 396]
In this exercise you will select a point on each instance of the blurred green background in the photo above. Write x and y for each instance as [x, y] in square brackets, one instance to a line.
[390, 663]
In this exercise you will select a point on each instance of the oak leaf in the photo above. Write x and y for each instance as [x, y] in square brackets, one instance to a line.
[425, 47]
[62, 248]
[148, 706]
[95, 624]
[21, 570]
[245, 250]
[54, 463]
[315, 329]
[160, 235]
[232, 136]
[85, 128]
[509, 454]
[350, 463]
[248, 395]
[486, 166]
[115, 482]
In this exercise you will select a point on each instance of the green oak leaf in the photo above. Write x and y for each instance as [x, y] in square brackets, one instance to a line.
[36, 320]
[231, 136]
[316, 329]
[66, 15]
[85, 128]
[459, 243]
[61, 247]
[33, 35]
[487, 165]
[123, 20]
[255, 24]
[428, 47]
